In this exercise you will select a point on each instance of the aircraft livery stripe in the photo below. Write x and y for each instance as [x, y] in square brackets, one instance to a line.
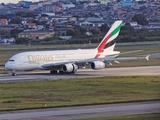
[97, 55]
[116, 30]
[109, 44]
[104, 45]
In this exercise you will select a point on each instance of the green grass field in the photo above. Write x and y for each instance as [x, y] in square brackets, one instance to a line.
[37, 94]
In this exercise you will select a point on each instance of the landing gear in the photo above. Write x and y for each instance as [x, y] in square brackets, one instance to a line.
[60, 72]
[53, 71]
[14, 73]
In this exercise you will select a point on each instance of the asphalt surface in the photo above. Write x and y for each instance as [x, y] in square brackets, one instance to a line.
[82, 73]
[83, 111]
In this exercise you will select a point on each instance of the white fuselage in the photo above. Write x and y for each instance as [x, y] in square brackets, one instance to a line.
[35, 60]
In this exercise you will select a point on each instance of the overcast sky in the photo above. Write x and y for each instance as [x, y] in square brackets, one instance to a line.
[14, 1]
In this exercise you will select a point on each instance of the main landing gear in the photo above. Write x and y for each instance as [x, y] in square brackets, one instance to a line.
[14, 73]
[60, 72]
[54, 71]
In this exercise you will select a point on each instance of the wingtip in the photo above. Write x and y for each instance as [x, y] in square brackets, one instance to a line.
[147, 57]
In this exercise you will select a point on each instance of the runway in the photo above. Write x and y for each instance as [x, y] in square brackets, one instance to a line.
[67, 113]
[82, 73]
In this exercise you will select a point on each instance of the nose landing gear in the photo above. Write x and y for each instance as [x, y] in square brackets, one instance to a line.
[14, 73]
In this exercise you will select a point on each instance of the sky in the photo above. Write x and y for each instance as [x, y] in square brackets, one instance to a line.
[14, 1]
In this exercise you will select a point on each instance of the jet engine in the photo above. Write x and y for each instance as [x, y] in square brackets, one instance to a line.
[96, 65]
[70, 68]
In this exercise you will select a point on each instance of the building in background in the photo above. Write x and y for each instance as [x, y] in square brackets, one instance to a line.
[36, 34]
[3, 21]
[126, 3]
[104, 1]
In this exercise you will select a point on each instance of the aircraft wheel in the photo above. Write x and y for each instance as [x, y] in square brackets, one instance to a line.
[53, 71]
[13, 74]
[61, 72]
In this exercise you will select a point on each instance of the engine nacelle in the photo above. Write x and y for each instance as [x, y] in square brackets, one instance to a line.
[70, 68]
[96, 65]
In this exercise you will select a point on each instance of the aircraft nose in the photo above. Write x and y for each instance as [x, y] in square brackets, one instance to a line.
[7, 65]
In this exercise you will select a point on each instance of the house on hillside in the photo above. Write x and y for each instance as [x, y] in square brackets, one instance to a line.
[36, 34]
[3, 21]
[32, 26]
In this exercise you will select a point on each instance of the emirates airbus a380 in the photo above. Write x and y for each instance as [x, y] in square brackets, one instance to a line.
[68, 61]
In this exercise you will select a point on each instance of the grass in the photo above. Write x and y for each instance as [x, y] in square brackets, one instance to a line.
[59, 46]
[5, 71]
[155, 116]
[52, 46]
[42, 94]
[146, 50]
[4, 56]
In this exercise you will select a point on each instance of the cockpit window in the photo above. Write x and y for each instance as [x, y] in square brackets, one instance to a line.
[11, 60]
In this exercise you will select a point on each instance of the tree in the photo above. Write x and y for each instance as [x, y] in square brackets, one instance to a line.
[94, 31]
[79, 31]
[70, 32]
[22, 40]
[3, 16]
[3, 33]
[21, 14]
[104, 28]
[15, 21]
[127, 27]
[14, 32]
[30, 14]
[25, 14]
[107, 8]
[35, 21]
[140, 19]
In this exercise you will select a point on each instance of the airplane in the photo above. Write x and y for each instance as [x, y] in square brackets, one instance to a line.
[69, 61]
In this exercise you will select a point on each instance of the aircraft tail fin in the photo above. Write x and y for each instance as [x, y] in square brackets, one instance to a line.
[108, 42]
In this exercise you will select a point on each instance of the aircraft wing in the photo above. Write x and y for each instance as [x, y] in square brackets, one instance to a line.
[85, 61]
[111, 59]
